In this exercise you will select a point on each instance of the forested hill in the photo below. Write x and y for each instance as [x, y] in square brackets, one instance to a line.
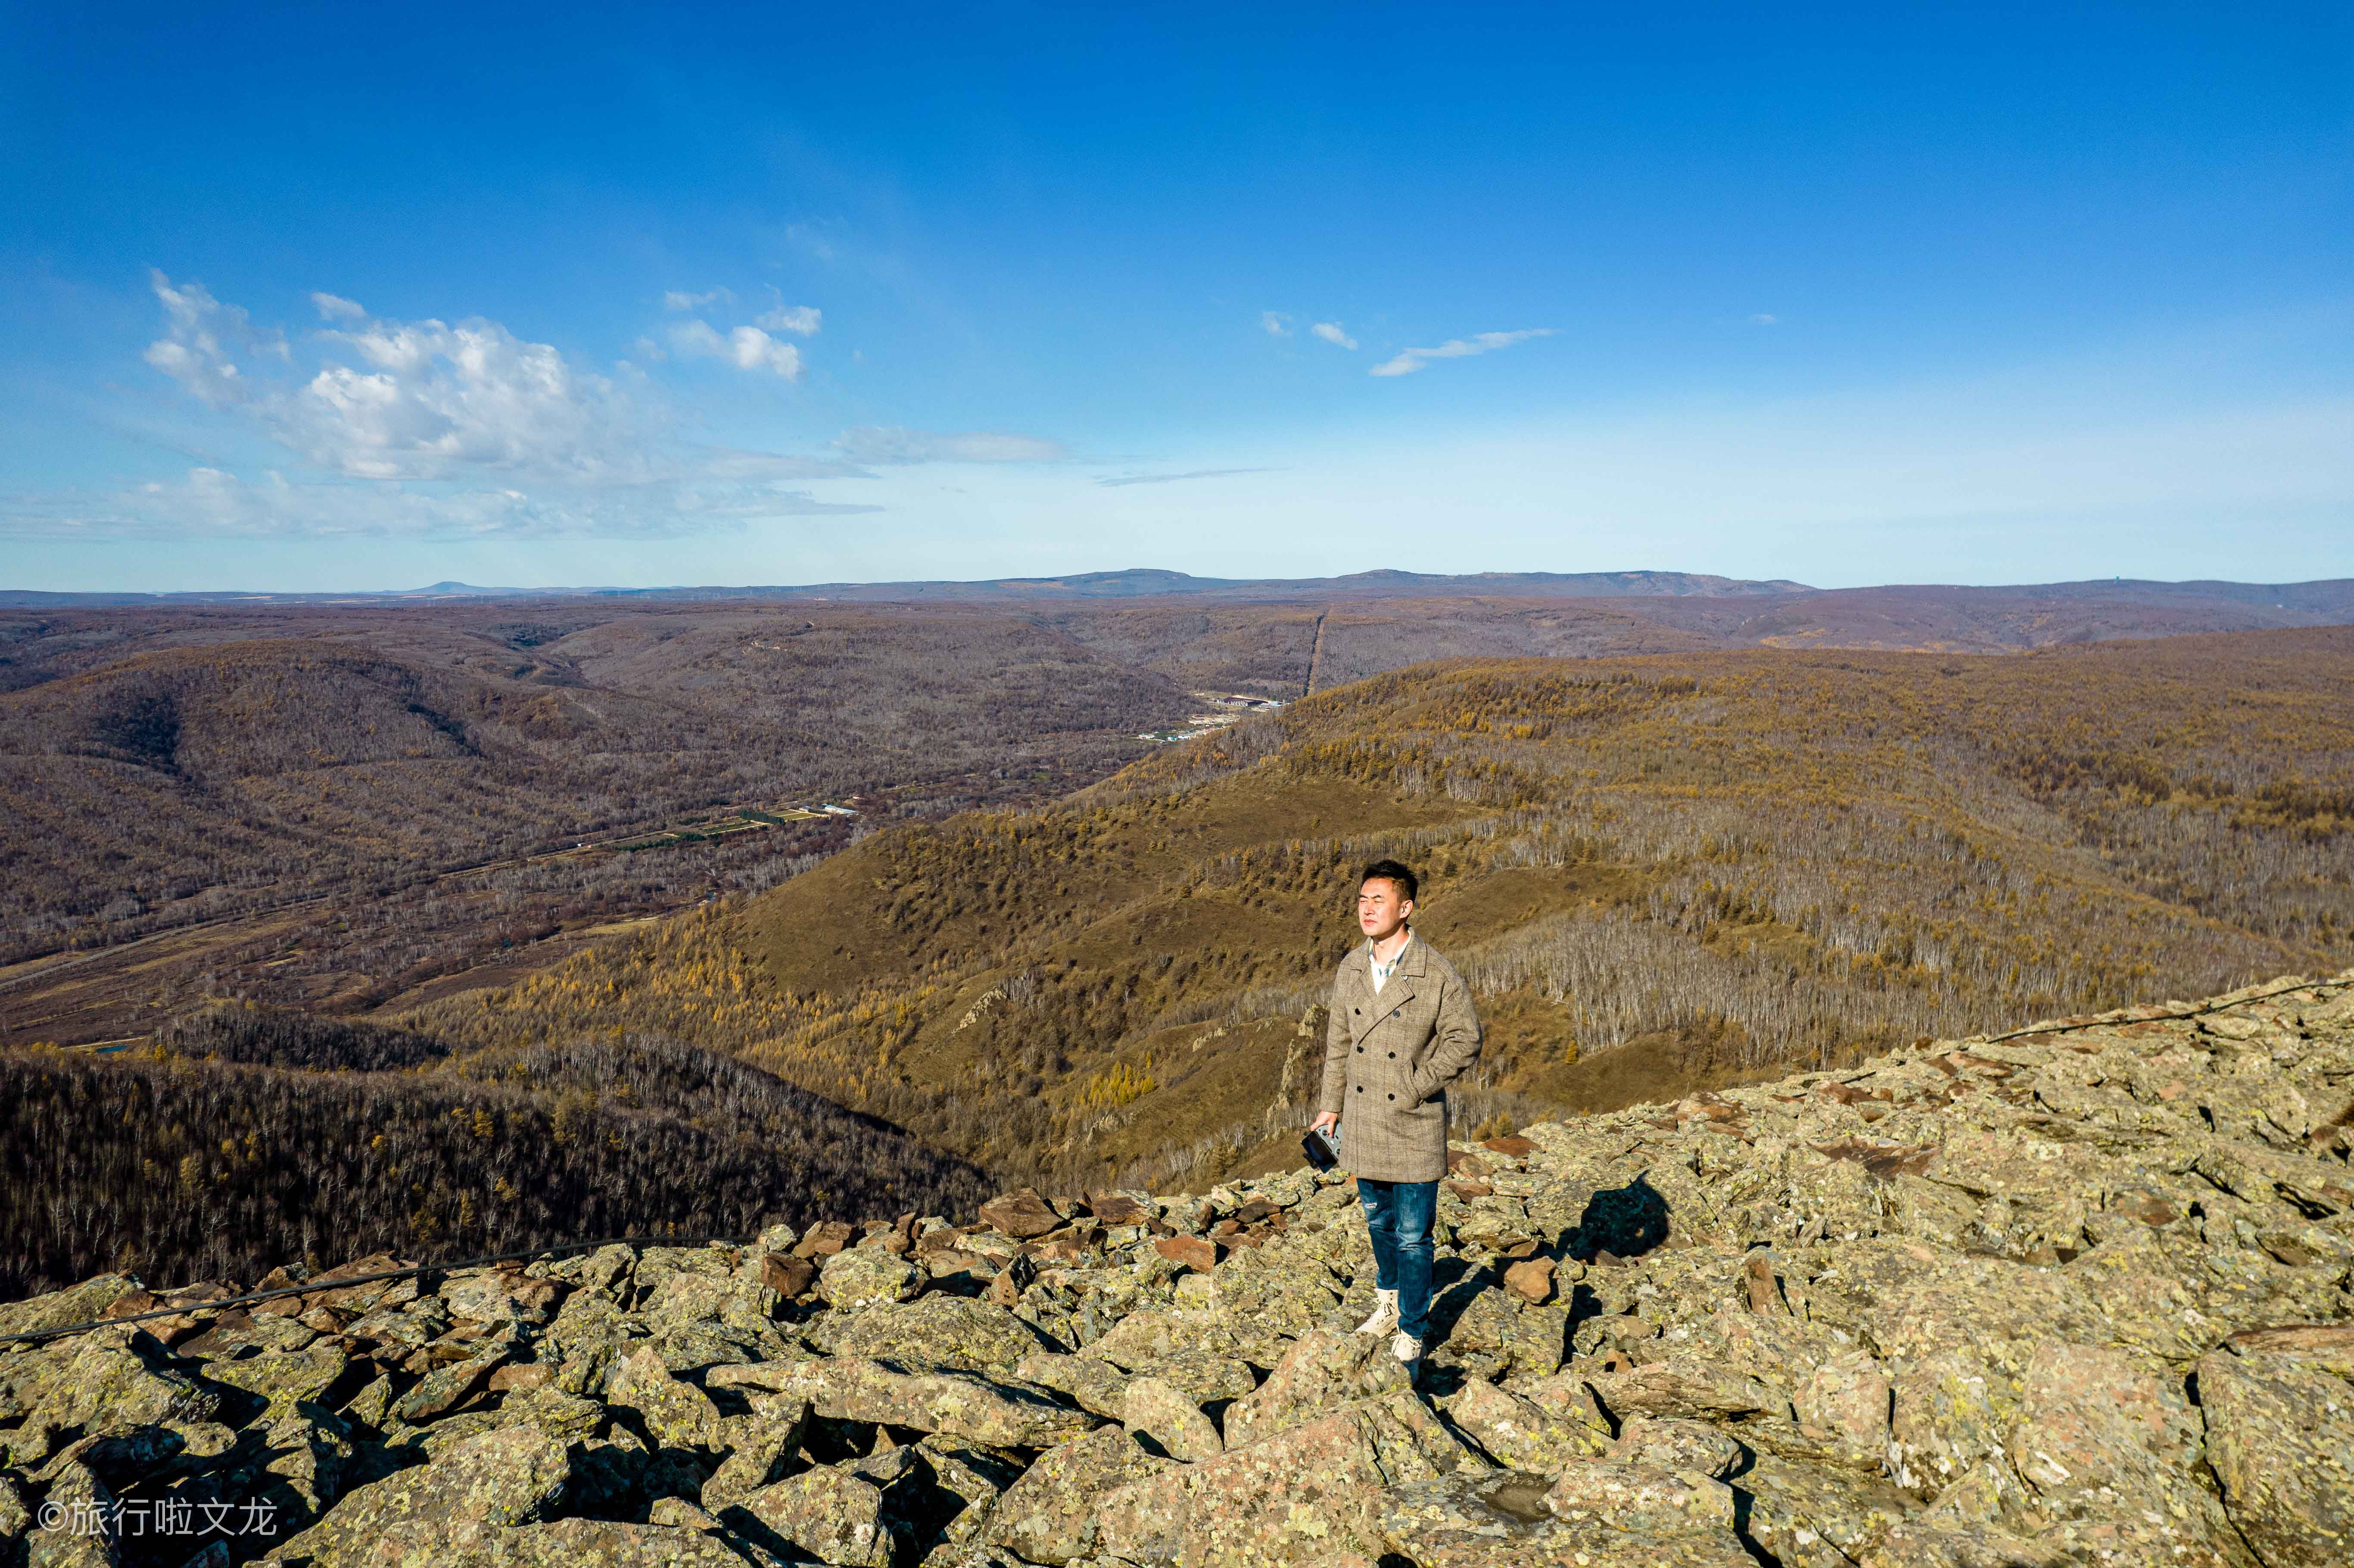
[242, 1139]
[1656, 872]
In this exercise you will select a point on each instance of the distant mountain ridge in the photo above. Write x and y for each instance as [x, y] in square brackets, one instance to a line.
[2329, 597]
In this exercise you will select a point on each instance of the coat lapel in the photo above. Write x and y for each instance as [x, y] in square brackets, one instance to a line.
[1398, 991]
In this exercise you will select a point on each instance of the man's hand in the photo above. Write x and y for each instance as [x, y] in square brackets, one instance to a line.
[1325, 1122]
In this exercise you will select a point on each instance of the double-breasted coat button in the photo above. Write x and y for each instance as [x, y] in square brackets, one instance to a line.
[1393, 1055]
[1393, 1096]
[1361, 1088]
[1361, 1050]
[1359, 1010]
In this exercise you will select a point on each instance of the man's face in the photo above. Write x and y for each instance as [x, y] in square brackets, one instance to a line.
[1380, 910]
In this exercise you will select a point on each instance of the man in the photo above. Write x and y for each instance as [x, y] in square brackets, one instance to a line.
[1401, 1030]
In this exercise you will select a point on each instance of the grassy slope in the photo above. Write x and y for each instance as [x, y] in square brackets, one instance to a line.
[1658, 871]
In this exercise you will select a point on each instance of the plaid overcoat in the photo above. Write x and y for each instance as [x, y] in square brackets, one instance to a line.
[1388, 1058]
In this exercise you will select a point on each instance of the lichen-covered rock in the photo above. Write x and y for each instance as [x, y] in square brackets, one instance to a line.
[1170, 1419]
[1522, 1435]
[1310, 1489]
[826, 1513]
[759, 1446]
[1091, 1384]
[118, 1378]
[951, 1332]
[2280, 1435]
[1148, 1336]
[862, 1276]
[1052, 1513]
[1324, 1368]
[1501, 1335]
[1665, 1443]
[497, 1296]
[1684, 1385]
[960, 1404]
[444, 1388]
[1816, 1515]
[683, 1298]
[1846, 1399]
[80, 1303]
[1503, 1520]
[676, 1415]
[485, 1484]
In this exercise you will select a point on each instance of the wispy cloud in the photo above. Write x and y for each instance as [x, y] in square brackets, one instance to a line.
[1174, 478]
[1276, 324]
[1762, 318]
[1414, 359]
[215, 503]
[898, 444]
[681, 300]
[1330, 333]
[200, 335]
[336, 308]
[747, 348]
[800, 320]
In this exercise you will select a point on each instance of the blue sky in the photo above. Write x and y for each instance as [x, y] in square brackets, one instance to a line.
[369, 296]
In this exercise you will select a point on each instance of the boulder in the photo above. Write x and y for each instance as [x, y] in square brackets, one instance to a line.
[121, 1379]
[1815, 1515]
[1148, 1336]
[1684, 1385]
[485, 1484]
[1170, 1419]
[1642, 1499]
[826, 1513]
[1498, 1334]
[1300, 1493]
[435, 1394]
[676, 1415]
[1020, 1214]
[1531, 1279]
[1520, 1434]
[946, 1332]
[1846, 1400]
[2280, 1435]
[862, 1276]
[1665, 1443]
[1502, 1521]
[1051, 1514]
[1089, 1383]
[959, 1404]
[760, 1447]
[1324, 1368]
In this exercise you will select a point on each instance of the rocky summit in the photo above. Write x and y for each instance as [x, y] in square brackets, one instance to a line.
[2076, 1294]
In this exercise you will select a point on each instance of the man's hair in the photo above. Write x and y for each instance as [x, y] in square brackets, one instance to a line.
[1392, 871]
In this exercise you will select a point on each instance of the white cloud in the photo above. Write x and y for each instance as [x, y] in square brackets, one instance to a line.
[193, 351]
[747, 348]
[680, 300]
[1276, 322]
[431, 398]
[1330, 333]
[800, 320]
[433, 430]
[1414, 359]
[898, 444]
[1762, 318]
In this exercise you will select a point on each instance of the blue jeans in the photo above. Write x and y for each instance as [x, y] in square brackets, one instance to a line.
[1399, 1215]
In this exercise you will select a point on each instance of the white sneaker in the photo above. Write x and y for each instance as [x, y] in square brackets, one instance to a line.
[1385, 1314]
[1407, 1348]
